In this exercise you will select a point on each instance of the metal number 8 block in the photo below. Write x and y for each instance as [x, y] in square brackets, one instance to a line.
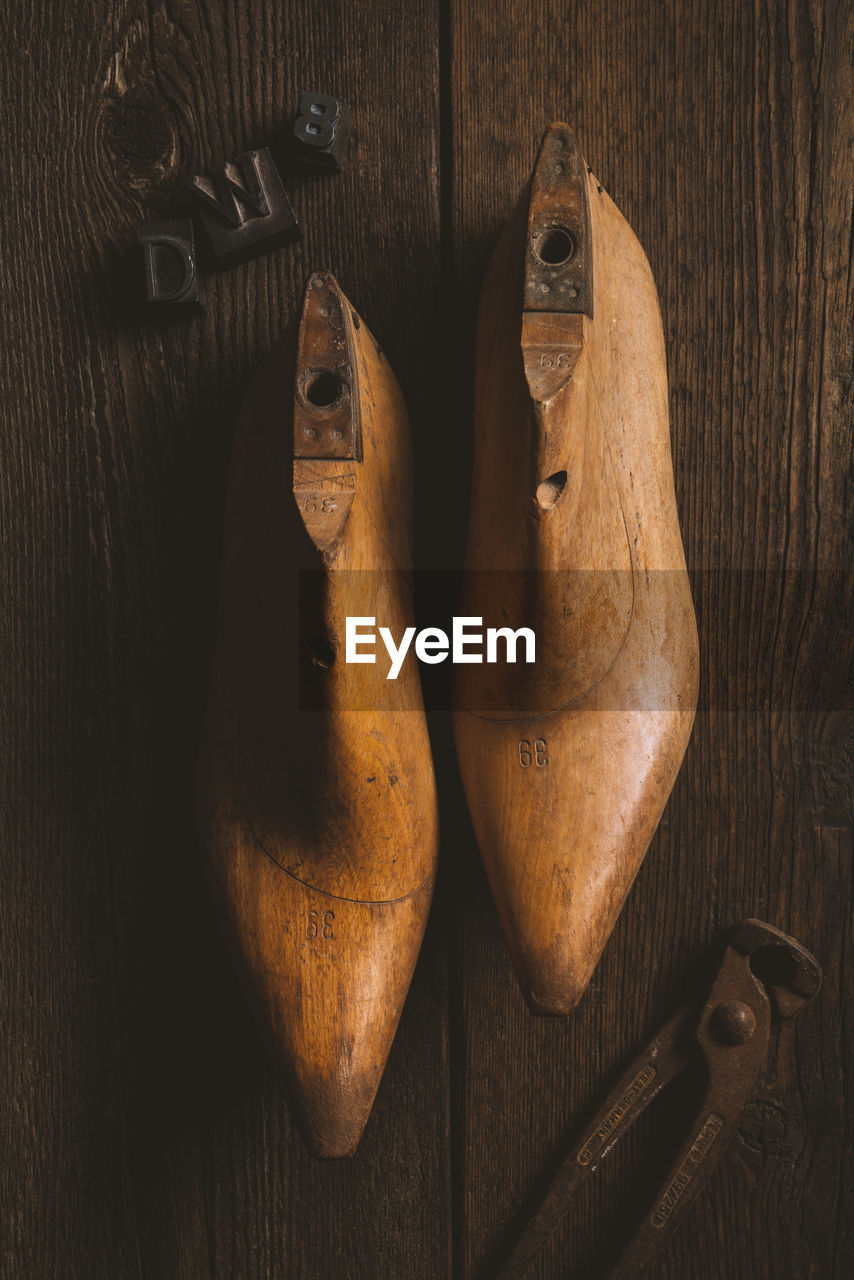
[322, 130]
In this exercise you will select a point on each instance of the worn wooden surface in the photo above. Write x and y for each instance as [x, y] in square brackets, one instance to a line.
[147, 1137]
[723, 133]
[142, 1134]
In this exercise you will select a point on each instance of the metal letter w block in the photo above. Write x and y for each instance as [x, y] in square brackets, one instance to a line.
[244, 208]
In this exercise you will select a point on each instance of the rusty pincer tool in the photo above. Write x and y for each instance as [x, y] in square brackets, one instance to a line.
[765, 977]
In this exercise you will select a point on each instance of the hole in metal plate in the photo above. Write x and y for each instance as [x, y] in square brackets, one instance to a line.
[555, 246]
[323, 389]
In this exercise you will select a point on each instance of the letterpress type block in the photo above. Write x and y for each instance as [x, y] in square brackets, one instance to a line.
[322, 130]
[169, 259]
[244, 208]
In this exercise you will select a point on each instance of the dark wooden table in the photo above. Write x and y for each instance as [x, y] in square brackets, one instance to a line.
[143, 1134]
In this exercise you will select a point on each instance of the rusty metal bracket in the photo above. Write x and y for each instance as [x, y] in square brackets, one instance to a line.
[327, 417]
[558, 265]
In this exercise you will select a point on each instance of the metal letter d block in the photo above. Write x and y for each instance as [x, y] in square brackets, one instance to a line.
[169, 258]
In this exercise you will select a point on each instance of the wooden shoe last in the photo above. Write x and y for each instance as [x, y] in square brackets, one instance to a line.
[568, 763]
[318, 798]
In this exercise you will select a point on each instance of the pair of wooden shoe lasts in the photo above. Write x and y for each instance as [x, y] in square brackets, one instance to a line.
[321, 824]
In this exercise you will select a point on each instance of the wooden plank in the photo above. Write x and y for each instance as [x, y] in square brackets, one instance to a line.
[724, 135]
[149, 1138]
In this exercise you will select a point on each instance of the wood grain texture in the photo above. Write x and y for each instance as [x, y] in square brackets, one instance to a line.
[724, 135]
[149, 1137]
[142, 1133]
